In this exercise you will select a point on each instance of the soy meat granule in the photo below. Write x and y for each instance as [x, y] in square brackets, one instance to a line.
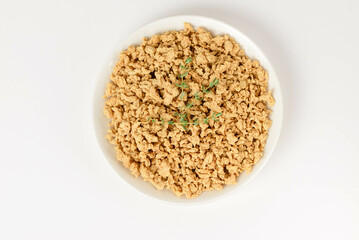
[207, 156]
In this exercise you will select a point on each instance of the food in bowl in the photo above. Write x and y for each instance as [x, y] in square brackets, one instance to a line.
[188, 111]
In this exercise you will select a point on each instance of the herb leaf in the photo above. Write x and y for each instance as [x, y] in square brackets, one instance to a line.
[182, 85]
[183, 75]
[197, 96]
[188, 60]
[205, 89]
[183, 67]
[212, 84]
[215, 116]
[183, 118]
[195, 122]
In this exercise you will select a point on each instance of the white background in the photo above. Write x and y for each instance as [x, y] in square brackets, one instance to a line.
[56, 184]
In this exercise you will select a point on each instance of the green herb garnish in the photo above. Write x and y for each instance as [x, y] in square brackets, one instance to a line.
[183, 117]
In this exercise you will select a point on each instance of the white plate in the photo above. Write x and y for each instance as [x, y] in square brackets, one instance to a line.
[176, 23]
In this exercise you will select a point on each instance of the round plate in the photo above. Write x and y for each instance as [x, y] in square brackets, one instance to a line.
[176, 23]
